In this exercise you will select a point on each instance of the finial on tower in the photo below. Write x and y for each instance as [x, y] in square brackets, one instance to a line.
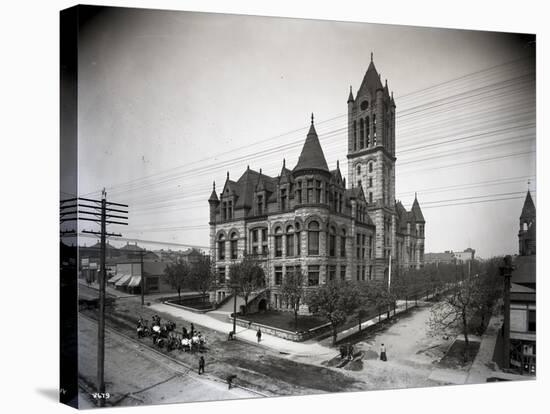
[260, 171]
[284, 163]
[338, 164]
[529, 185]
[386, 83]
[371, 59]
[228, 175]
[214, 186]
[312, 118]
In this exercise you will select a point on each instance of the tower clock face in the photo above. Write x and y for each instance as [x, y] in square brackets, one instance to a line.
[364, 105]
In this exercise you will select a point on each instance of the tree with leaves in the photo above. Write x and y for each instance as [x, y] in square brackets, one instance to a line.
[246, 277]
[178, 275]
[202, 275]
[293, 291]
[334, 301]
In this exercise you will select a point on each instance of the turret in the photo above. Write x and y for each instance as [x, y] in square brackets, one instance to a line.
[214, 202]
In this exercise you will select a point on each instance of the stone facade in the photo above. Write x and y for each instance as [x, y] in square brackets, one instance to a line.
[306, 218]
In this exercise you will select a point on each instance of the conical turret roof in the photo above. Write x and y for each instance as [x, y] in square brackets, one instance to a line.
[214, 197]
[312, 156]
[529, 211]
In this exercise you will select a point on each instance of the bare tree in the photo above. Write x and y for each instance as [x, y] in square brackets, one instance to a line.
[293, 291]
[454, 313]
[246, 277]
[202, 275]
[178, 275]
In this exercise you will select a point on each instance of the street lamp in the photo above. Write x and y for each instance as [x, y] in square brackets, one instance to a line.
[234, 287]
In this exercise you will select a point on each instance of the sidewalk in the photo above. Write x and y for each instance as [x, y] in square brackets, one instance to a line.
[248, 335]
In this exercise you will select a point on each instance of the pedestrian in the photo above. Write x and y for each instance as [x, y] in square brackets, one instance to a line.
[259, 335]
[230, 379]
[201, 365]
[342, 351]
[192, 330]
[350, 352]
[383, 353]
[230, 336]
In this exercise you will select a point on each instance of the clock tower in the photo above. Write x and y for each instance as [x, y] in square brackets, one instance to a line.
[371, 160]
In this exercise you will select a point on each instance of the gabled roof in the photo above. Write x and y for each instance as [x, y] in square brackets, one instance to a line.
[246, 186]
[529, 211]
[371, 82]
[312, 156]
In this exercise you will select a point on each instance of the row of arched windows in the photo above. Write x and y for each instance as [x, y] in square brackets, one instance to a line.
[363, 129]
[292, 245]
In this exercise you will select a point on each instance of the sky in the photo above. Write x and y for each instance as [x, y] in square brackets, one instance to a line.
[170, 101]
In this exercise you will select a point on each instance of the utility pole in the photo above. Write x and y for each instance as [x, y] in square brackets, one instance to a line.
[142, 287]
[506, 271]
[99, 212]
[101, 316]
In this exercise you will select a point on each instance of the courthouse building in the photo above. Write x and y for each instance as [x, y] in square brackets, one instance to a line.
[310, 218]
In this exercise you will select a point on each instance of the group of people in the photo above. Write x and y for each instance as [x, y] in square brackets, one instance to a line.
[346, 351]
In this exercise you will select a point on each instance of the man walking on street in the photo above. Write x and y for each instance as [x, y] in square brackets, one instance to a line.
[201, 365]
[259, 335]
[383, 353]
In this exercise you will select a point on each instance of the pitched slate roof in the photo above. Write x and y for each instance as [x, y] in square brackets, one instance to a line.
[312, 156]
[417, 212]
[525, 272]
[529, 211]
[371, 81]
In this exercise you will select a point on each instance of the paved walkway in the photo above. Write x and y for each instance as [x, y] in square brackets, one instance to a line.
[245, 334]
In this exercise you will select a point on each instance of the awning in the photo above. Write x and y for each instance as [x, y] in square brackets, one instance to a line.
[115, 278]
[123, 281]
[135, 281]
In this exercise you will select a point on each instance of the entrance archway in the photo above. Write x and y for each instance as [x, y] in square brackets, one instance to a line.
[262, 305]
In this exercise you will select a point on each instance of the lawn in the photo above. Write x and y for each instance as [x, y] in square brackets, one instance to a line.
[457, 358]
[284, 320]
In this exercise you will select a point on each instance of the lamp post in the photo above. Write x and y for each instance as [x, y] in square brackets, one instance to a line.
[234, 287]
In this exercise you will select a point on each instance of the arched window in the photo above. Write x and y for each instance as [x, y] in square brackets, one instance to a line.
[370, 167]
[359, 170]
[298, 240]
[313, 239]
[221, 246]
[361, 134]
[355, 135]
[234, 241]
[332, 242]
[367, 128]
[374, 130]
[290, 241]
[278, 242]
[343, 243]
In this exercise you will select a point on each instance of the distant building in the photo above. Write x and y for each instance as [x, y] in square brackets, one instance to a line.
[465, 256]
[449, 257]
[523, 310]
[446, 257]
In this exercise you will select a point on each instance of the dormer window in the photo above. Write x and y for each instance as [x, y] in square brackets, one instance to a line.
[283, 199]
[260, 204]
